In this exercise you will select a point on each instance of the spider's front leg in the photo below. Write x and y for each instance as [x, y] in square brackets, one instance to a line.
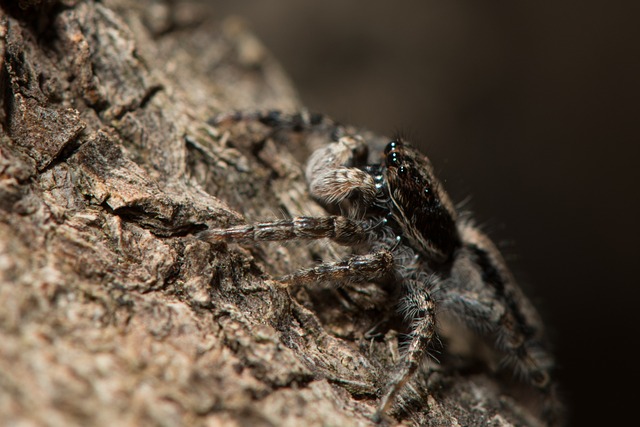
[357, 268]
[340, 229]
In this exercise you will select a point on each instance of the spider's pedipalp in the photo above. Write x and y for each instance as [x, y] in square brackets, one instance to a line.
[333, 177]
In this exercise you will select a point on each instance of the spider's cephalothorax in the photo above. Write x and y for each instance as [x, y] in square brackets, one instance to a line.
[419, 205]
[399, 214]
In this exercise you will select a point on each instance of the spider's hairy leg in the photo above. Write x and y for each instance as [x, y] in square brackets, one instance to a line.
[419, 309]
[340, 229]
[357, 268]
[483, 294]
[298, 122]
[520, 346]
[280, 123]
[495, 318]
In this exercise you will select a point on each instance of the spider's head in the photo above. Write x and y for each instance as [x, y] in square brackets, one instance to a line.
[419, 203]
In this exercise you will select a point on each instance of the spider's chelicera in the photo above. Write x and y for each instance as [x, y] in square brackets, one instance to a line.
[412, 235]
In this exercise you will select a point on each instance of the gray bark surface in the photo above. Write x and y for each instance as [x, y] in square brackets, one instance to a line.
[111, 311]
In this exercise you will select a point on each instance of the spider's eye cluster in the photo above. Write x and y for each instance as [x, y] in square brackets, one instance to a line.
[393, 158]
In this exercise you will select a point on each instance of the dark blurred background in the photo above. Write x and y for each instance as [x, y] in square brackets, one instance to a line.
[530, 110]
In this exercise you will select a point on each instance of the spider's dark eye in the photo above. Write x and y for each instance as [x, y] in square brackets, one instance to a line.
[402, 170]
[390, 146]
[393, 159]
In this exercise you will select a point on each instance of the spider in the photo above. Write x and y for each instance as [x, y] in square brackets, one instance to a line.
[407, 231]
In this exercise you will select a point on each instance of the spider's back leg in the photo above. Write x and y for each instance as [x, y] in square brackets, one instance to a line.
[483, 294]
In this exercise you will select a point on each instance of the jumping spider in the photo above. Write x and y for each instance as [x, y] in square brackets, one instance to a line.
[397, 213]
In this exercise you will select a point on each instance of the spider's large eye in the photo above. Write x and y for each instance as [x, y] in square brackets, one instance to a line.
[390, 146]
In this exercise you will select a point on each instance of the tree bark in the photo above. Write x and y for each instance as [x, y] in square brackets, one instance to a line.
[111, 311]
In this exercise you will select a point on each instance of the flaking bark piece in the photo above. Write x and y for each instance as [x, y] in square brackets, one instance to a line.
[42, 132]
[38, 125]
[106, 175]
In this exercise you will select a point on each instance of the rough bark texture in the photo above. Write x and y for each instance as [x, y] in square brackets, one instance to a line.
[111, 312]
